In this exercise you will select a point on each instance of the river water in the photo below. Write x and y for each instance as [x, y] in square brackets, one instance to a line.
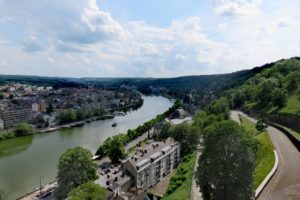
[23, 160]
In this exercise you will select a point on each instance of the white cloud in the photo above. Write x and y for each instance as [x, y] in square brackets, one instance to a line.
[80, 23]
[241, 8]
[32, 44]
[79, 39]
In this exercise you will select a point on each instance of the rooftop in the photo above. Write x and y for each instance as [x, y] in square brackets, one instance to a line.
[151, 152]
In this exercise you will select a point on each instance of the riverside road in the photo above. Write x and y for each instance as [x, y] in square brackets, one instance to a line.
[285, 184]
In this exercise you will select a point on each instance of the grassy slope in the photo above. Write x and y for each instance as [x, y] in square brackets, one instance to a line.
[293, 105]
[265, 156]
[183, 192]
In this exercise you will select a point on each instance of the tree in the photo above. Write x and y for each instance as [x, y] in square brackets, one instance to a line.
[50, 109]
[164, 132]
[89, 191]
[279, 98]
[292, 81]
[219, 106]
[116, 150]
[188, 136]
[261, 125]
[75, 167]
[80, 114]
[227, 163]
[238, 99]
[265, 89]
[113, 147]
[67, 116]
[23, 129]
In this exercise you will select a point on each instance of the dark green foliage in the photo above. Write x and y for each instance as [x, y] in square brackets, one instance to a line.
[50, 108]
[237, 98]
[116, 150]
[265, 89]
[188, 136]
[88, 191]
[67, 116]
[80, 114]
[279, 98]
[261, 125]
[23, 129]
[219, 106]
[292, 81]
[7, 135]
[75, 168]
[113, 147]
[270, 91]
[227, 163]
[164, 132]
[71, 115]
[181, 174]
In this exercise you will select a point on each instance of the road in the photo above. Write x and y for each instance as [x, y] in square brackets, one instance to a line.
[195, 190]
[285, 184]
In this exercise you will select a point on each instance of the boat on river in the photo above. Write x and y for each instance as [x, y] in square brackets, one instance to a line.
[114, 124]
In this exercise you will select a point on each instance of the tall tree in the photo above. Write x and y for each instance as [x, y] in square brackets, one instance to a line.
[23, 129]
[188, 136]
[88, 191]
[75, 167]
[279, 98]
[116, 149]
[219, 106]
[227, 163]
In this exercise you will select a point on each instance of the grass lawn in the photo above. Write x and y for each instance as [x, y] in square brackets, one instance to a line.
[265, 157]
[293, 105]
[183, 191]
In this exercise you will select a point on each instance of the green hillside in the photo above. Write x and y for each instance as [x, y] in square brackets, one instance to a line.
[276, 89]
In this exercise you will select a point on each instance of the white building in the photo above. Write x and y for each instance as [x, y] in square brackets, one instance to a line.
[1, 124]
[149, 165]
[35, 107]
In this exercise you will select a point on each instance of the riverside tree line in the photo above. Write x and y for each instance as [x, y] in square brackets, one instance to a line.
[225, 169]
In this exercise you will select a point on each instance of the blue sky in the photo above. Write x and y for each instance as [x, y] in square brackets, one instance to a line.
[134, 38]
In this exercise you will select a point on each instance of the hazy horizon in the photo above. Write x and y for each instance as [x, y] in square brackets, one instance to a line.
[123, 39]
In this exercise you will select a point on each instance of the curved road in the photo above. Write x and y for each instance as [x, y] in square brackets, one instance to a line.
[285, 184]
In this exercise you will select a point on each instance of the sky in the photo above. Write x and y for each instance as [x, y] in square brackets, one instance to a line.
[135, 38]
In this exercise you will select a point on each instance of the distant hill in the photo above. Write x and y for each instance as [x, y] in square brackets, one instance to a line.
[202, 83]
[40, 80]
[275, 89]
[178, 86]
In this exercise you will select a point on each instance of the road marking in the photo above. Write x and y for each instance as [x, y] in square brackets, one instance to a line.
[272, 186]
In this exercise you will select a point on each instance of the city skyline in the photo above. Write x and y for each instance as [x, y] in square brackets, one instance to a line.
[102, 38]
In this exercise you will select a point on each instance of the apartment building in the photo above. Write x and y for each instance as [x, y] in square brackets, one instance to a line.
[150, 164]
[13, 117]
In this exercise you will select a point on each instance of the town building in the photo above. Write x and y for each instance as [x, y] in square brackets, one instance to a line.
[13, 117]
[144, 168]
[1, 124]
[149, 165]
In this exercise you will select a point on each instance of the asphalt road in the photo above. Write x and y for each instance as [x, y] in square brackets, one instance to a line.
[195, 190]
[285, 184]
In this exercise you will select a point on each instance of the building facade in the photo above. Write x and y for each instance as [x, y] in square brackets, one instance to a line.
[13, 117]
[148, 166]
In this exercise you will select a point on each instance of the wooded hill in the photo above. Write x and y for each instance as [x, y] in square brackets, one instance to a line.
[276, 89]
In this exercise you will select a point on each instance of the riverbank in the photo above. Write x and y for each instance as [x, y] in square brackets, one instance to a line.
[24, 159]
[74, 124]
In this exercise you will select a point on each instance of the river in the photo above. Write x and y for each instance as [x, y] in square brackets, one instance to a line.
[23, 160]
